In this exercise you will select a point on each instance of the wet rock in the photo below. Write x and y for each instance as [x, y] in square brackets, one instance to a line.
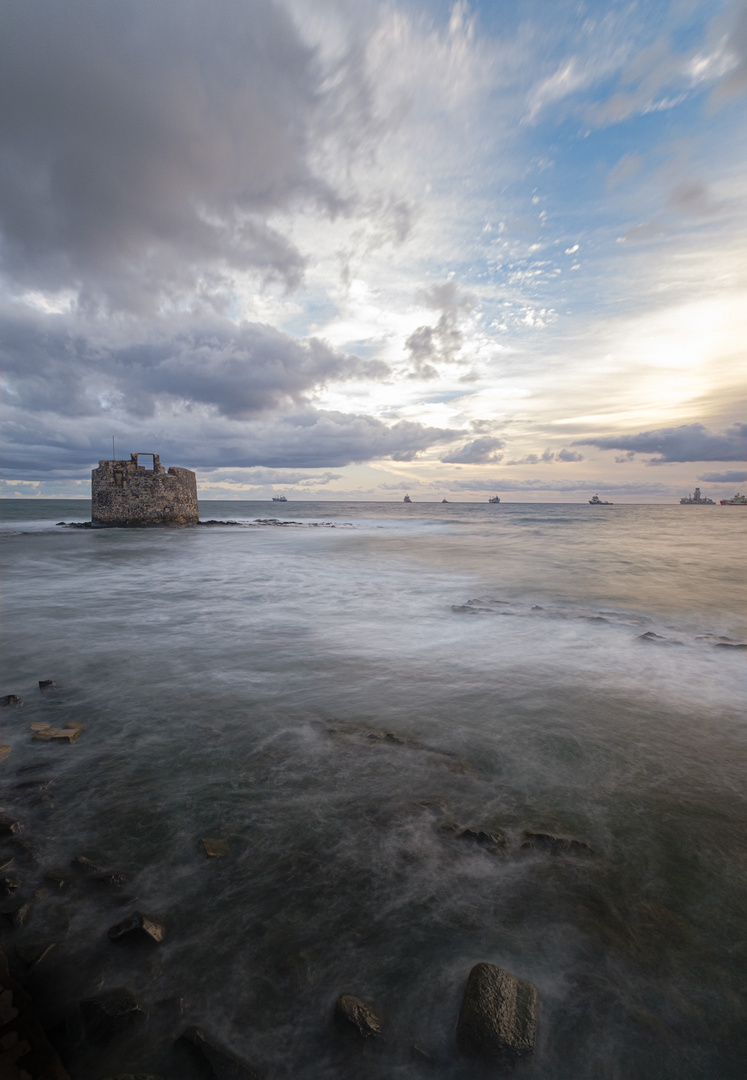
[140, 924]
[7, 864]
[357, 1017]
[9, 827]
[9, 885]
[498, 1017]
[33, 952]
[36, 786]
[216, 848]
[24, 1049]
[85, 865]
[555, 845]
[221, 1063]
[17, 915]
[105, 1015]
[47, 684]
[11, 699]
[69, 733]
[58, 879]
[109, 879]
[494, 842]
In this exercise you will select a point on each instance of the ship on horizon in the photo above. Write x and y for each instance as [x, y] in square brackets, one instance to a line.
[494, 499]
[738, 500]
[279, 498]
[596, 501]
[696, 500]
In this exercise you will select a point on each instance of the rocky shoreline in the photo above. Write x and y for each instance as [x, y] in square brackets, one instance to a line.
[496, 1024]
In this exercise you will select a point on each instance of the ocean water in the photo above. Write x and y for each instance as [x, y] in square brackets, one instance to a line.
[338, 690]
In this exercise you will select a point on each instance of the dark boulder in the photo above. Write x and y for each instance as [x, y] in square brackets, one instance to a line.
[17, 915]
[9, 827]
[109, 1013]
[357, 1017]
[8, 886]
[498, 1018]
[11, 699]
[220, 1064]
[494, 842]
[555, 845]
[33, 952]
[141, 925]
[47, 684]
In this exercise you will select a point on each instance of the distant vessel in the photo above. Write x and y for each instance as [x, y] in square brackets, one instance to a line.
[596, 501]
[407, 499]
[738, 500]
[279, 498]
[494, 499]
[696, 500]
[444, 500]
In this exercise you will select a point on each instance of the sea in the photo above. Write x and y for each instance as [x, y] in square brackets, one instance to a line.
[431, 735]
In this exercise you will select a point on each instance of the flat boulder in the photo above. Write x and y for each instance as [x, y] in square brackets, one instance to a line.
[357, 1017]
[498, 1018]
[141, 925]
[109, 1013]
[219, 1063]
[555, 845]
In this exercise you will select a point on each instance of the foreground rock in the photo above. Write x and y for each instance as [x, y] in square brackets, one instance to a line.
[140, 925]
[556, 845]
[109, 1013]
[24, 1049]
[223, 1065]
[498, 1018]
[357, 1017]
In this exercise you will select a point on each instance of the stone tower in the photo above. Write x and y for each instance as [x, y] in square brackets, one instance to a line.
[126, 493]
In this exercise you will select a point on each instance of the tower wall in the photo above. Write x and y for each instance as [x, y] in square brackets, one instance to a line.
[125, 493]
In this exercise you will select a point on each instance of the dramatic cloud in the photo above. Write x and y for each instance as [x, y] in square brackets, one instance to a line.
[690, 442]
[440, 343]
[547, 457]
[146, 145]
[731, 476]
[481, 451]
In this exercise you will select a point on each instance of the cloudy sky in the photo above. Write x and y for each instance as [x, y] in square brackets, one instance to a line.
[350, 248]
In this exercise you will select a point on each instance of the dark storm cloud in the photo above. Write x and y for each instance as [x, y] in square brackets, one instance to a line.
[690, 442]
[61, 364]
[145, 143]
[307, 439]
[482, 451]
[731, 476]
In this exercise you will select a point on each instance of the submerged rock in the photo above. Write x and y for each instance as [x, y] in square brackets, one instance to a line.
[11, 699]
[150, 925]
[33, 952]
[8, 886]
[9, 827]
[556, 845]
[47, 684]
[109, 1013]
[17, 915]
[498, 1018]
[494, 842]
[216, 848]
[223, 1065]
[358, 1017]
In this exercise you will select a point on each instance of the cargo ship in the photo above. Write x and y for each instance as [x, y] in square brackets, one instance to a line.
[696, 500]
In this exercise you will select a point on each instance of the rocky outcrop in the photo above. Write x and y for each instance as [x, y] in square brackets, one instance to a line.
[139, 925]
[498, 1018]
[555, 845]
[357, 1017]
[24, 1048]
